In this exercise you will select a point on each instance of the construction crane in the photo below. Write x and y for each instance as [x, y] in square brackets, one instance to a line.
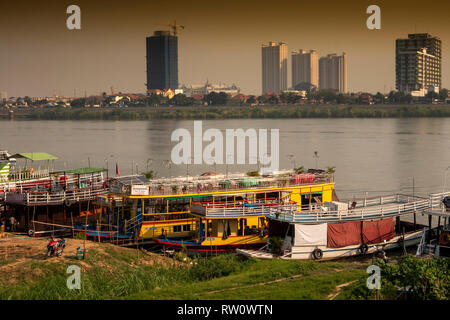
[174, 27]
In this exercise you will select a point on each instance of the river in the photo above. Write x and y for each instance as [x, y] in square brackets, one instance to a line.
[378, 156]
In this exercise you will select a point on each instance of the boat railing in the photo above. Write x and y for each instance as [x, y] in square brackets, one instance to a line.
[27, 175]
[381, 200]
[436, 199]
[167, 187]
[379, 209]
[57, 197]
[251, 209]
[25, 185]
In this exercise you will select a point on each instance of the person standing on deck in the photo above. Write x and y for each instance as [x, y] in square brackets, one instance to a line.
[13, 223]
[2, 227]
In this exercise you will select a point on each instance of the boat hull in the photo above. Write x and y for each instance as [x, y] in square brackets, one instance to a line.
[306, 252]
[246, 242]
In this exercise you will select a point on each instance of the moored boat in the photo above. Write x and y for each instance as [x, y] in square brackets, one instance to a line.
[180, 211]
[342, 229]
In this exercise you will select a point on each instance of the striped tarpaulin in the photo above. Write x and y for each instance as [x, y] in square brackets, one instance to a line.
[4, 169]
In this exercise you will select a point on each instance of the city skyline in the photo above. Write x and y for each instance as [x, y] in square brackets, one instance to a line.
[39, 56]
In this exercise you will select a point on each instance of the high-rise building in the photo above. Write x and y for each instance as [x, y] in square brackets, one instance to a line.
[305, 68]
[418, 63]
[162, 61]
[274, 67]
[333, 72]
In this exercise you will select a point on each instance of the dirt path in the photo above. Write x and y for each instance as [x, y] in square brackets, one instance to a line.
[338, 290]
[256, 284]
[18, 252]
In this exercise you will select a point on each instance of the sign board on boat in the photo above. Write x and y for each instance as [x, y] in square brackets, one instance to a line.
[115, 189]
[139, 190]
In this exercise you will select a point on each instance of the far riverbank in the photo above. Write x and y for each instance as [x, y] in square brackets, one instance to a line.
[232, 112]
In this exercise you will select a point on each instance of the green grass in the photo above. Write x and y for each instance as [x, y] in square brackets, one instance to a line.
[115, 273]
[309, 280]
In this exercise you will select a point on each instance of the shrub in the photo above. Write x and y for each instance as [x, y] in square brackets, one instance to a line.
[214, 267]
[411, 278]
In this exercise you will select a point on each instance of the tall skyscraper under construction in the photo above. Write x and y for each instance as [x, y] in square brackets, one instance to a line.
[162, 61]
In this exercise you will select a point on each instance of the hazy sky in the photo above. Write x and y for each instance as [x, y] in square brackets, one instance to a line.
[221, 42]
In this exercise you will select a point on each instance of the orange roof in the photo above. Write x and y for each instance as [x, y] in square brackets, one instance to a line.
[240, 97]
[197, 96]
[154, 91]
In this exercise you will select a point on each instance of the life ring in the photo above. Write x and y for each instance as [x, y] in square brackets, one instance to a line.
[363, 248]
[31, 170]
[317, 254]
[444, 239]
[31, 233]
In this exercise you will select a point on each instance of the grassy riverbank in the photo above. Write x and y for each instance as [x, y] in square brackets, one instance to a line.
[111, 272]
[238, 112]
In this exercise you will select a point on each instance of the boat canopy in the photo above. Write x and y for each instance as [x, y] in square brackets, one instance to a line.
[132, 180]
[85, 170]
[35, 156]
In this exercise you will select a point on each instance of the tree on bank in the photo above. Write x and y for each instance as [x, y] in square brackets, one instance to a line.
[78, 103]
[399, 97]
[273, 99]
[153, 100]
[216, 99]
[181, 100]
[378, 98]
[251, 100]
[261, 100]
[443, 94]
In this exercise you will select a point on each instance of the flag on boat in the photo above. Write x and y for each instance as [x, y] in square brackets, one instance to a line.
[117, 170]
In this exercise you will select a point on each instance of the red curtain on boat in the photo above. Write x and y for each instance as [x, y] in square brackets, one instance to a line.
[378, 231]
[343, 234]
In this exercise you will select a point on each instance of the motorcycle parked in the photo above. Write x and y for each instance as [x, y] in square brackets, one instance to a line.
[55, 247]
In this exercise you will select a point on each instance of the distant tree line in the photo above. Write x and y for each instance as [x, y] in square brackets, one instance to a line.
[264, 112]
[313, 97]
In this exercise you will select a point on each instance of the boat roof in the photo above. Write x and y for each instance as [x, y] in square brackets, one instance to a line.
[132, 180]
[35, 156]
[85, 170]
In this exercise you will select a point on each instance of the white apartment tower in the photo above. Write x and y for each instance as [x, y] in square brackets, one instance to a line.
[305, 68]
[274, 67]
[333, 72]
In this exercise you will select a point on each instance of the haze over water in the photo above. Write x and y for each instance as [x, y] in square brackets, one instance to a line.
[378, 156]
